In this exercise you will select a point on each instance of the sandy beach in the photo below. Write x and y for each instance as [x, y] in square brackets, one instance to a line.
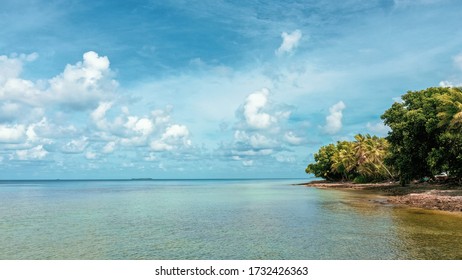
[435, 196]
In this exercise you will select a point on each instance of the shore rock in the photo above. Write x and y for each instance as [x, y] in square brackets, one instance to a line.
[446, 197]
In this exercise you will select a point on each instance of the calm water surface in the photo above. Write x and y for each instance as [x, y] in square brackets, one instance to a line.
[214, 219]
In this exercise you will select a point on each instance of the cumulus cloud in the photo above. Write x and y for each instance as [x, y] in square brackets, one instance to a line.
[75, 146]
[379, 128]
[174, 137]
[289, 42]
[97, 121]
[334, 119]
[154, 130]
[253, 110]
[255, 140]
[9, 111]
[285, 158]
[291, 138]
[84, 84]
[142, 125]
[12, 133]
[47, 129]
[35, 153]
[262, 130]
[11, 66]
[450, 84]
[80, 86]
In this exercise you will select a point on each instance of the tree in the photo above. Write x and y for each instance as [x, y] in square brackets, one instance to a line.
[425, 136]
[322, 167]
[360, 159]
[450, 109]
[448, 157]
[344, 159]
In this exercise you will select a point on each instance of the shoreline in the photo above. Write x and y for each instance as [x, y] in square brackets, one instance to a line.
[438, 196]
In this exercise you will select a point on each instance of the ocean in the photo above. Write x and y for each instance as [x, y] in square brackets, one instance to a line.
[214, 220]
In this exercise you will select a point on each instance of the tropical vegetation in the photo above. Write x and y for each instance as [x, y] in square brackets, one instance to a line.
[361, 160]
[425, 139]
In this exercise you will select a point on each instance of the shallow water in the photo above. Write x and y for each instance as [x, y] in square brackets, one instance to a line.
[214, 219]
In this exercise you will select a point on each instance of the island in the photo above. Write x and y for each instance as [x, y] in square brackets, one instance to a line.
[418, 164]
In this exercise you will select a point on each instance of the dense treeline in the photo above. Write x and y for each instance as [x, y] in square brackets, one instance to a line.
[362, 160]
[425, 140]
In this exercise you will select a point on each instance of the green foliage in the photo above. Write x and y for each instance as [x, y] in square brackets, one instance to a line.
[323, 162]
[425, 140]
[426, 133]
[362, 159]
[361, 179]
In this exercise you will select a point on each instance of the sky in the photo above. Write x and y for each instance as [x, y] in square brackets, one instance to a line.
[211, 88]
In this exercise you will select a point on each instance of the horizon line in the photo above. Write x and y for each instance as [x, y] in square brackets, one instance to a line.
[158, 179]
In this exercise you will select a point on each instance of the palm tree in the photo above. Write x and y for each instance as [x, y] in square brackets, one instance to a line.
[370, 153]
[450, 109]
[360, 147]
[344, 160]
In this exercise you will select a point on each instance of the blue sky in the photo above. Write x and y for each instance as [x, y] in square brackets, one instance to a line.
[207, 89]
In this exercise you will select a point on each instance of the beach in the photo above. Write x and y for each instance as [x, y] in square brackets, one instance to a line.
[433, 196]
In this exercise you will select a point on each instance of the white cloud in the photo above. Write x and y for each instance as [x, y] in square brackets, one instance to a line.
[80, 86]
[44, 129]
[35, 153]
[175, 137]
[378, 129]
[75, 146]
[154, 130]
[17, 90]
[448, 84]
[176, 131]
[247, 153]
[292, 139]
[255, 140]
[90, 155]
[262, 130]
[12, 133]
[259, 141]
[9, 111]
[11, 67]
[126, 126]
[159, 146]
[84, 84]
[144, 126]
[334, 119]
[98, 115]
[289, 42]
[253, 106]
[109, 147]
[285, 158]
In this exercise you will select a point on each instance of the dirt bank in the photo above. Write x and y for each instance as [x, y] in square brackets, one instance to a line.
[447, 197]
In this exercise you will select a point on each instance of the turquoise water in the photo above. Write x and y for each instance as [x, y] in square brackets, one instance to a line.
[214, 219]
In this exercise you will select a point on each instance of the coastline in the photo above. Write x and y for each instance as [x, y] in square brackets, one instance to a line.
[437, 196]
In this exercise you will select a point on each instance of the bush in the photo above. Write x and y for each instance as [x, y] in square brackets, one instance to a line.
[361, 180]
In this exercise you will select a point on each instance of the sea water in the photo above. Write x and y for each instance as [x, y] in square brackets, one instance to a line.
[214, 219]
